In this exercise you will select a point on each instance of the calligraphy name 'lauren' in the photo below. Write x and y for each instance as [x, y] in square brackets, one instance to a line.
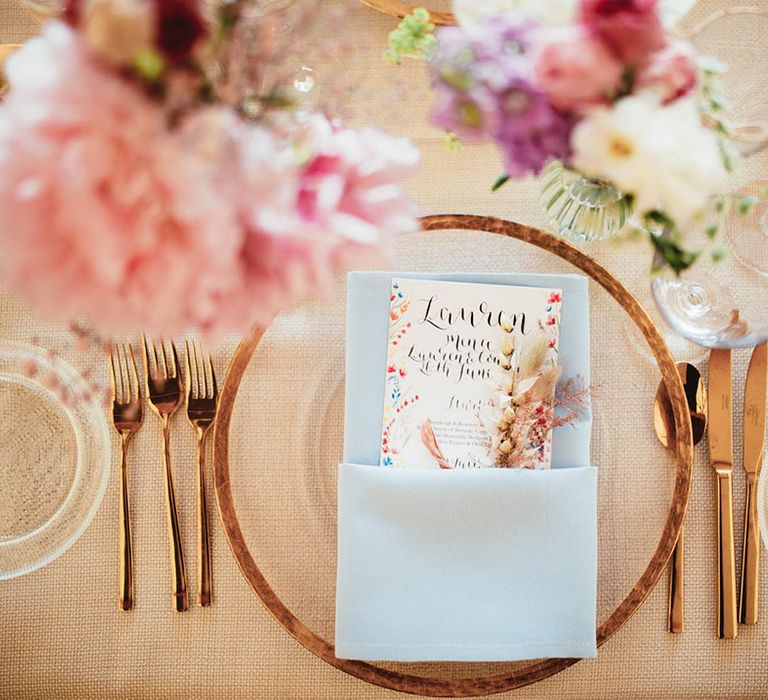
[443, 318]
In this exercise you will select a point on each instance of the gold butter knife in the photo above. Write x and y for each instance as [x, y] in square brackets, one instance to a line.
[754, 443]
[721, 456]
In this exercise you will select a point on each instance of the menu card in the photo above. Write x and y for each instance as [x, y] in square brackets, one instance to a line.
[470, 377]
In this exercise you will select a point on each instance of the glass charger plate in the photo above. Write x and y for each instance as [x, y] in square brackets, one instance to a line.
[279, 440]
[54, 458]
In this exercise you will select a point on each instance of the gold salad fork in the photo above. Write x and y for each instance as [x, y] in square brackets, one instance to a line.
[127, 414]
[165, 390]
[202, 394]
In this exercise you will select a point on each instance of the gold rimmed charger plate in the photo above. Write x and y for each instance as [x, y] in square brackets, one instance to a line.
[400, 677]
[401, 9]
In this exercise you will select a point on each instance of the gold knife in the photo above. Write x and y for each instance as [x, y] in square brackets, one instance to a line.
[754, 443]
[721, 455]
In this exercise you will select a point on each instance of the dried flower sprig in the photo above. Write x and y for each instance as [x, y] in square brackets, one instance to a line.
[573, 399]
[520, 410]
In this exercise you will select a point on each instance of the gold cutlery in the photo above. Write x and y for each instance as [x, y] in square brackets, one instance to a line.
[127, 414]
[754, 443]
[165, 390]
[664, 425]
[721, 456]
[202, 394]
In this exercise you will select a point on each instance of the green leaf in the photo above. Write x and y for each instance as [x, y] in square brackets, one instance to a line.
[718, 255]
[501, 180]
[712, 231]
[745, 205]
[673, 254]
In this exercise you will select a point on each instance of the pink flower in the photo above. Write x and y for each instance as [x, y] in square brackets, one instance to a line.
[302, 224]
[348, 190]
[632, 28]
[92, 220]
[671, 72]
[576, 70]
[215, 224]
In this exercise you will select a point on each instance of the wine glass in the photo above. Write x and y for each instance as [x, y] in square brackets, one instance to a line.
[746, 227]
[723, 305]
[715, 304]
[682, 350]
[736, 37]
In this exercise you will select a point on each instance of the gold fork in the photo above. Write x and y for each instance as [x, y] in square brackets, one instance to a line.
[127, 414]
[202, 394]
[165, 390]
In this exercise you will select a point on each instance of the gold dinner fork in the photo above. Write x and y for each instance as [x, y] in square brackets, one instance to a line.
[202, 394]
[127, 414]
[165, 390]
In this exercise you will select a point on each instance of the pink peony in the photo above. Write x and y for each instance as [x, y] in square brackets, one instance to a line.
[340, 208]
[214, 225]
[632, 28]
[671, 72]
[575, 69]
[89, 198]
[348, 186]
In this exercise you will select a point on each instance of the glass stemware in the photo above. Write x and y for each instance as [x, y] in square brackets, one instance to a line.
[715, 304]
[736, 37]
[701, 308]
[718, 302]
[746, 227]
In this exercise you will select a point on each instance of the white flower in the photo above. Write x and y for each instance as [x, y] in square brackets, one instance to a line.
[663, 155]
[470, 13]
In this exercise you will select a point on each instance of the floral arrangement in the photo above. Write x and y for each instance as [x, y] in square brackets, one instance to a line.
[147, 183]
[529, 401]
[602, 87]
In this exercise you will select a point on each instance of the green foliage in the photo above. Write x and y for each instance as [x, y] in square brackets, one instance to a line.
[667, 241]
[714, 108]
[501, 180]
[718, 255]
[413, 38]
[452, 142]
[150, 64]
[745, 205]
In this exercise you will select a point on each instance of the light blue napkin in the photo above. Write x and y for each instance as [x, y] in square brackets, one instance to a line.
[464, 565]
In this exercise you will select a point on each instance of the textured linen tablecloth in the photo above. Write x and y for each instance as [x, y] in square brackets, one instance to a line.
[61, 635]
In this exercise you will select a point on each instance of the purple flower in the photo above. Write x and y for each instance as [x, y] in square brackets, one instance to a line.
[530, 131]
[483, 77]
[471, 114]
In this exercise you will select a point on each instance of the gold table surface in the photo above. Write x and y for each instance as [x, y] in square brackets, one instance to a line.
[62, 636]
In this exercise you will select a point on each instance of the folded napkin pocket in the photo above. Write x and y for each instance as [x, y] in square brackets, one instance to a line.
[466, 565]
